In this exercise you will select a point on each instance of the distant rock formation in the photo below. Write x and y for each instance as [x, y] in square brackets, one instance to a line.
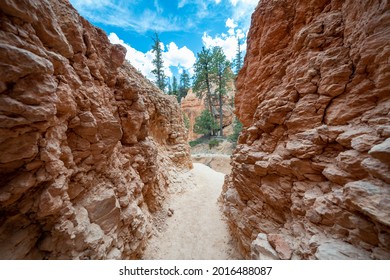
[192, 107]
[87, 145]
[310, 176]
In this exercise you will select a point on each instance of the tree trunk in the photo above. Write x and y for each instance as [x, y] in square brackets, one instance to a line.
[220, 107]
[220, 115]
[209, 100]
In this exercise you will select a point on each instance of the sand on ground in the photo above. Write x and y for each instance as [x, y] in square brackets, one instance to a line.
[218, 162]
[197, 229]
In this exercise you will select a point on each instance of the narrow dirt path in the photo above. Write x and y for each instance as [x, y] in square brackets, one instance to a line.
[197, 229]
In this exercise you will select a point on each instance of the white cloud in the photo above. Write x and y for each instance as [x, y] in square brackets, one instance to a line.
[178, 57]
[181, 3]
[158, 7]
[202, 3]
[162, 46]
[230, 23]
[96, 3]
[141, 61]
[120, 13]
[246, 2]
[203, 9]
[228, 42]
[240, 17]
[173, 56]
[243, 10]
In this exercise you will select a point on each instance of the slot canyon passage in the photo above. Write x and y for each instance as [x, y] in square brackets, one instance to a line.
[95, 161]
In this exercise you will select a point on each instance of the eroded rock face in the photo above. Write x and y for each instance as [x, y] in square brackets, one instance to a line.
[311, 172]
[193, 106]
[86, 143]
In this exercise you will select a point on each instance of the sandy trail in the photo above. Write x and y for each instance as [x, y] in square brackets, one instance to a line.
[218, 162]
[197, 229]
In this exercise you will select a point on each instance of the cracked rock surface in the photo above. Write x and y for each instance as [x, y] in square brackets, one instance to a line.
[88, 146]
[312, 162]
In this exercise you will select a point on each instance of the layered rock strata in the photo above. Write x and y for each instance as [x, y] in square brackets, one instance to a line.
[86, 143]
[310, 176]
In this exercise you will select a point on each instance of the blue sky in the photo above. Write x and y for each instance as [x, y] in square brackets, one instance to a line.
[184, 26]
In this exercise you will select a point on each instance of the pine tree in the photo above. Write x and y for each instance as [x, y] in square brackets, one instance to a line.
[238, 60]
[205, 123]
[174, 87]
[184, 85]
[203, 77]
[237, 127]
[158, 63]
[221, 71]
[168, 83]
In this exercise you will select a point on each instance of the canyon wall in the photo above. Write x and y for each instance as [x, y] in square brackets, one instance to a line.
[87, 144]
[310, 176]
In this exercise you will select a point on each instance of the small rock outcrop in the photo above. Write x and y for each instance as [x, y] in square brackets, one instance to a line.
[310, 177]
[87, 144]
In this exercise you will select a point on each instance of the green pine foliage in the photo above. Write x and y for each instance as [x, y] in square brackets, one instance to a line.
[222, 73]
[212, 68]
[169, 87]
[213, 143]
[205, 124]
[203, 76]
[237, 127]
[203, 68]
[237, 63]
[158, 63]
[184, 85]
[195, 142]
[175, 90]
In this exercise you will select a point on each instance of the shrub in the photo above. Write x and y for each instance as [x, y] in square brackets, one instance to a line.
[213, 143]
[205, 123]
[237, 127]
[195, 142]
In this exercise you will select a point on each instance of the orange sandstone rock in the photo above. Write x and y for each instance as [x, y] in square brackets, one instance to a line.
[192, 107]
[310, 173]
[86, 142]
